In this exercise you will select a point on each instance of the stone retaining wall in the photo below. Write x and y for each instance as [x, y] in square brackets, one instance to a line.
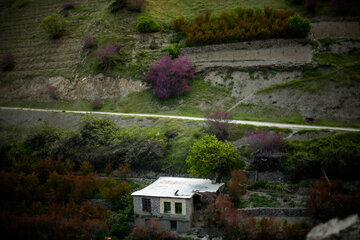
[276, 212]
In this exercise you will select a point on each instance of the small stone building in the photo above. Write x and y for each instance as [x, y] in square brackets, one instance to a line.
[173, 202]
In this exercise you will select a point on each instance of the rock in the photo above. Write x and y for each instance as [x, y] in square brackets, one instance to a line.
[335, 229]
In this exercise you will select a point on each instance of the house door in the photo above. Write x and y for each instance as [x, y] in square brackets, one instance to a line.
[173, 225]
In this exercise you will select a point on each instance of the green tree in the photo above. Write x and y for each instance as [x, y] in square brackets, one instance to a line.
[211, 158]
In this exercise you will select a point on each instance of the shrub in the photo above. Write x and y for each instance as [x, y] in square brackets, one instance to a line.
[219, 124]
[173, 50]
[233, 26]
[89, 41]
[151, 232]
[52, 91]
[300, 26]
[136, 5]
[270, 229]
[109, 56]
[54, 25]
[7, 62]
[108, 169]
[330, 199]
[147, 24]
[96, 104]
[237, 186]
[116, 193]
[117, 5]
[212, 158]
[265, 143]
[65, 5]
[338, 155]
[86, 168]
[170, 78]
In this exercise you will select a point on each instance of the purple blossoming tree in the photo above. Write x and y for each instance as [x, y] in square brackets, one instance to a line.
[170, 77]
[266, 143]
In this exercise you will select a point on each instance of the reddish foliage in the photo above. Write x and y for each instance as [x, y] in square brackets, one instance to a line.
[265, 143]
[237, 185]
[232, 223]
[54, 225]
[89, 41]
[96, 104]
[219, 123]
[151, 232]
[67, 5]
[89, 211]
[136, 5]
[7, 62]
[295, 231]
[170, 77]
[123, 170]
[108, 169]
[52, 91]
[108, 56]
[328, 200]
[270, 229]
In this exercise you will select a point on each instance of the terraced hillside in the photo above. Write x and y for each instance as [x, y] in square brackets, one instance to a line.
[255, 80]
[35, 54]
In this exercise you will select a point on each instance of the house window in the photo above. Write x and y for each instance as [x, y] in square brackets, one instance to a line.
[167, 207]
[146, 204]
[173, 225]
[178, 208]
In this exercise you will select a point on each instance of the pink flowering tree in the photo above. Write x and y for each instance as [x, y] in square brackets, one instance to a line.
[266, 143]
[170, 77]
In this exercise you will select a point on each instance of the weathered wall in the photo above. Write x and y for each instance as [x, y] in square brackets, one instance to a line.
[276, 212]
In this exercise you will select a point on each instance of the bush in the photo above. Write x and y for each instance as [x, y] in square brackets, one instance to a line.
[211, 158]
[170, 78]
[338, 155]
[237, 186]
[117, 5]
[89, 41]
[109, 56]
[7, 62]
[266, 143]
[300, 26]
[54, 25]
[330, 199]
[219, 123]
[52, 91]
[65, 5]
[233, 26]
[96, 104]
[151, 232]
[147, 24]
[173, 50]
[136, 5]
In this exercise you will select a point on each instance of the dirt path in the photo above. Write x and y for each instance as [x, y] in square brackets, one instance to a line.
[11, 115]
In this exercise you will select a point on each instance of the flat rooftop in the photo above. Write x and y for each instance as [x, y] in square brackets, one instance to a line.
[176, 187]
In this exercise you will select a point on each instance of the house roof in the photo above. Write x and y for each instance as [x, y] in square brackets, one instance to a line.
[176, 187]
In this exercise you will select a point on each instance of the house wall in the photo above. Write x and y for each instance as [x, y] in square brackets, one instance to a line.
[157, 212]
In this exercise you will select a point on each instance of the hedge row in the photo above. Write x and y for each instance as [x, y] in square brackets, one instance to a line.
[240, 25]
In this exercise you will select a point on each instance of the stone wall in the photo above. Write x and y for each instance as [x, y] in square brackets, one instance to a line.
[276, 212]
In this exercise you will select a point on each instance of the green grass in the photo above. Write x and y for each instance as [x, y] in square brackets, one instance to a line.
[165, 10]
[262, 201]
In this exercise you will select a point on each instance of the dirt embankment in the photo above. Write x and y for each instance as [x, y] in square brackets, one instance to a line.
[90, 88]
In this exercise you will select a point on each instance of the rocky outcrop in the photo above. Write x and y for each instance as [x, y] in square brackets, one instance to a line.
[335, 229]
[89, 88]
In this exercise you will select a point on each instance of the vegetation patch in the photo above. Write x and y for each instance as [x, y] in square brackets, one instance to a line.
[241, 25]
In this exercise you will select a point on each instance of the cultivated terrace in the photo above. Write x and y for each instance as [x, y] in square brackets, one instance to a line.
[70, 175]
